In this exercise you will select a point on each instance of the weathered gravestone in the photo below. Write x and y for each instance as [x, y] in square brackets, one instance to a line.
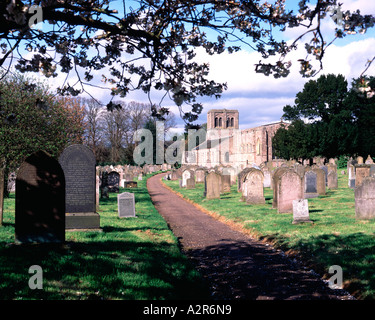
[288, 187]
[253, 187]
[351, 176]
[40, 200]
[186, 174]
[301, 211]
[320, 181]
[369, 160]
[267, 178]
[332, 180]
[241, 176]
[199, 175]
[212, 185]
[225, 183]
[78, 163]
[126, 205]
[365, 199]
[361, 172]
[325, 169]
[310, 179]
[113, 182]
[190, 183]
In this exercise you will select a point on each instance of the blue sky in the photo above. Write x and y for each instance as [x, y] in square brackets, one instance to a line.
[258, 98]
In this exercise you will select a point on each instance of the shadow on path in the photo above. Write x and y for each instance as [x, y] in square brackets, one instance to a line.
[235, 265]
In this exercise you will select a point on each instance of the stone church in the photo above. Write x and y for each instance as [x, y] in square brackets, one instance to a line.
[227, 145]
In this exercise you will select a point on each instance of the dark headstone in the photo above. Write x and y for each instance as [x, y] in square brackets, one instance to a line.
[325, 169]
[131, 184]
[311, 190]
[104, 186]
[126, 205]
[78, 163]
[40, 200]
[113, 182]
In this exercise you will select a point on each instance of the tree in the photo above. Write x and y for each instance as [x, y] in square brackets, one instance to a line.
[361, 100]
[341, 121]
[116, 124]
[31, 119]
[94, 125]
[75, 111]
[150, 44]
[320, 99]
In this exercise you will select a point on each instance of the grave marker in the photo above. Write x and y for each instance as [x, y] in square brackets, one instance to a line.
[212, 185]
[40, 200]
[301, 211]
[78, 163]
[113, 182]
[126, 205]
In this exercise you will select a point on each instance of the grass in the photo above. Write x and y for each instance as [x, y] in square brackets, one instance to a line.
[335, 237]
[132, 259]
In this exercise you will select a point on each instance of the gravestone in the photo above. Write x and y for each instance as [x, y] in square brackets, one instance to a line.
[113, 182]
[126, 205]
[364, 195]
[225, 183]
[275, 179]
[311, 190]
[131, 184]
[199, 175]
[240, 178]
[267, 179]
[369, 160]
[104, 186]
[361, 172]
[78, 163]
[325, 169]
[288, 187]
[212, 185]
[301, 211]
[253, 187]
[40, 200]
[186, 174]
[332, 181]
[359, 160]
[190, 183]
[97, 190]
[232, 173]
[351, 176]
[320, 181]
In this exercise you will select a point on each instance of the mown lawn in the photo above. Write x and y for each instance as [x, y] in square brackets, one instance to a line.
[335, 237]
[132, 258]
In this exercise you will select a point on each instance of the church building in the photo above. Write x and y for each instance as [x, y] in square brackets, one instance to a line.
[227, 145]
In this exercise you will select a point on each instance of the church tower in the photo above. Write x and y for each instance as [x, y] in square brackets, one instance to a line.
[222, 119]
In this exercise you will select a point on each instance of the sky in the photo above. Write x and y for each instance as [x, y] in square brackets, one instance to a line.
[260, 99]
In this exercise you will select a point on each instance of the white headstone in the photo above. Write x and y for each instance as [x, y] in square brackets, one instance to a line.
[126, 205]
[301, 211]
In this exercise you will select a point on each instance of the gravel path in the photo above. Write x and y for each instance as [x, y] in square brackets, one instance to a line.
[235, 265]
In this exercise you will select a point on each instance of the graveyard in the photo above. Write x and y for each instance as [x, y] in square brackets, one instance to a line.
[335, 236]
[128, 259]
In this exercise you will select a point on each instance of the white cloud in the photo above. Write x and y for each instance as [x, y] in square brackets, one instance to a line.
[260, 99]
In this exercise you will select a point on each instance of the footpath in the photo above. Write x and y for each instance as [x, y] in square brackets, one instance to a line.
[235, 265]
